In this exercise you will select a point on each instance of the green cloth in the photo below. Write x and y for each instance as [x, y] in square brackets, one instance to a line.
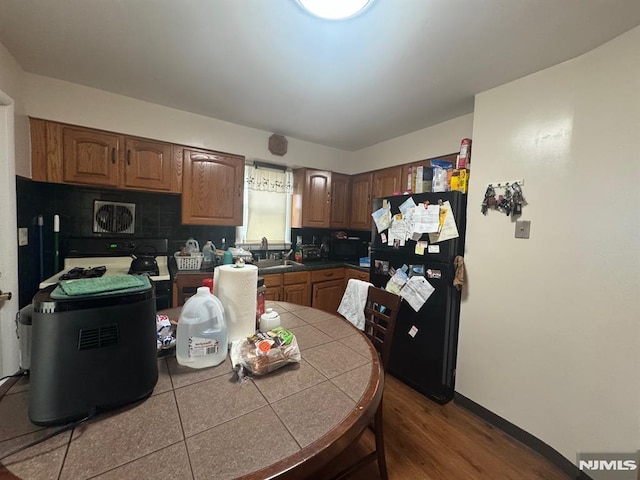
[100, 286]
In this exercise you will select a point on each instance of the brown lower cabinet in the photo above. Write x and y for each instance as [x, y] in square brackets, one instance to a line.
[186, 284]
[327, 295]
[322, 289]
[273, 284]
[296, 288]
[292, 287]
[355, 273]
[327, 288]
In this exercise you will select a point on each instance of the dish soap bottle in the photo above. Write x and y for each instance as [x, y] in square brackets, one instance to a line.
[208, 254]
[202, 331]
[298, 252]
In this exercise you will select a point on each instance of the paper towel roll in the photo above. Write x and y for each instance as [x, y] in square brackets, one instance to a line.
[236, 287]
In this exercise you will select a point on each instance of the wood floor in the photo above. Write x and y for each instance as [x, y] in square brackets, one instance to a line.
[425, 440]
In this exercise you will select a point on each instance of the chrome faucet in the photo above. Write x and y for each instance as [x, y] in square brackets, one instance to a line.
[264, 244]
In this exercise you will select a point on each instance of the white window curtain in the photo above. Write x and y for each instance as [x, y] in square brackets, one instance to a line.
[267, 207]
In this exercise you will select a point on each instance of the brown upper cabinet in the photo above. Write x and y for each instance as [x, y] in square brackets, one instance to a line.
[147, 164]
[212, 190]
[311, 198]
[90, 157]
[387, 181]
[340, 200]
[451, 158]
[361, 201]
[64, 153]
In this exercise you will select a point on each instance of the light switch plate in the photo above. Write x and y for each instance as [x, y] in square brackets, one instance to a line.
[522, 228]
[23, 236]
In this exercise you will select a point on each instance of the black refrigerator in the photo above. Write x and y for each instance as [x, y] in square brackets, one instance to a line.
[424, 345]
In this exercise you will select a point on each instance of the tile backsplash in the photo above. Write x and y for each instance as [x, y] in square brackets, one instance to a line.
[157, 215]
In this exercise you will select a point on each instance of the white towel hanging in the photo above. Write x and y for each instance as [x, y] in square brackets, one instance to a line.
[353, 302]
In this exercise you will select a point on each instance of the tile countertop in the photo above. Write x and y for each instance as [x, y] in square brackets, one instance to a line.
[198, 423]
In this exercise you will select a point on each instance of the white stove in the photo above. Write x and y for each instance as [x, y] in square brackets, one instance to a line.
[113, 256]
[114, 266]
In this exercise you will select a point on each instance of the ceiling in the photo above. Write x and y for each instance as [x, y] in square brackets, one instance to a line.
[401, 66]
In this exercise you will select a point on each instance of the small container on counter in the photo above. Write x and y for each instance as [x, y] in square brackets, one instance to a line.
[208, 252]
[269, 320]
[208, 282]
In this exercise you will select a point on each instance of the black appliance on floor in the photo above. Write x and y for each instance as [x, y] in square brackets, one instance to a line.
[91, 353]
[424, 345]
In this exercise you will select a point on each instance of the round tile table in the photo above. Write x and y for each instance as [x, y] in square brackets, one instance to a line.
[203, 424]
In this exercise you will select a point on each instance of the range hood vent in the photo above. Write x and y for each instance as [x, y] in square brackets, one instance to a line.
[113, 217]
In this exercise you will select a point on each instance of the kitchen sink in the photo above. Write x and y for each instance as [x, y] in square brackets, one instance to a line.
[280, 263]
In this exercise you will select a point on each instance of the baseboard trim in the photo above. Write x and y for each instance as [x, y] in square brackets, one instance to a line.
[521, 436]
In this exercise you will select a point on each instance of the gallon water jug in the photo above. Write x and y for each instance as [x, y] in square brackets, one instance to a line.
[202, 331]
[208, 254]
[192, 246]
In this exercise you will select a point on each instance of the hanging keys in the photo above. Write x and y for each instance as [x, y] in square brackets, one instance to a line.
[506, 201]
[516, 200]
[510, 202]
[489, 199]
[517, 209]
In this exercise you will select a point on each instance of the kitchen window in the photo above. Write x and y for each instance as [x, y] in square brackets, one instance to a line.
[267, 206]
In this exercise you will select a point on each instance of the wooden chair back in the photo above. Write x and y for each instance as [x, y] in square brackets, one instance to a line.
[380, 313]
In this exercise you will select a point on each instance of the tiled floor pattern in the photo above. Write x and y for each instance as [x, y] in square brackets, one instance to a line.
[202, 423]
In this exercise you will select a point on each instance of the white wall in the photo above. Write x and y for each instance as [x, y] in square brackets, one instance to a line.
[67, 102]
[550, 335]
[11, 83]
[13, 148]
[440, 139]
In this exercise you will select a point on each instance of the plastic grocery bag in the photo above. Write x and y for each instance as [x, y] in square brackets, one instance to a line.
[264, 352]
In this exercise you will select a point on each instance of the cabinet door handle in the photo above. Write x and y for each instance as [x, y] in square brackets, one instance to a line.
[328, 197]
[129, 157]
[113, 155]
[328, 274]
[240, 188]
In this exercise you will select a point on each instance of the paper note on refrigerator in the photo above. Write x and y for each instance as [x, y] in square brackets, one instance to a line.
[408, 209]
[398, 233]
[396, 282]
[420, 247]
[407, 205]
[425, 219]
[416, 292]
[448, 230]
[382, 218]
